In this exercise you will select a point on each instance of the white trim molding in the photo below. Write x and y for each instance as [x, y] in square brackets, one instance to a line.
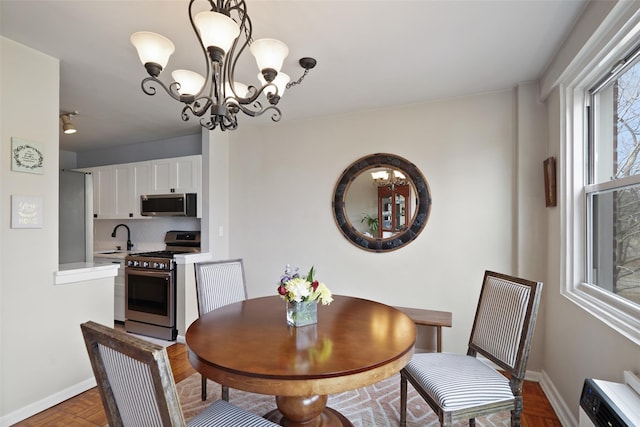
[564, 413]
[46, 403]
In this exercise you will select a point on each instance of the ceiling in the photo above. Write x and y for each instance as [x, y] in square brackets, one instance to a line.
[371, 54]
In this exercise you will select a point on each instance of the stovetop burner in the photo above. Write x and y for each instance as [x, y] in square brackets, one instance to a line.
[177, 242]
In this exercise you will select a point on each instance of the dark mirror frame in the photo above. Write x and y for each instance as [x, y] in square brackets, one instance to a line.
[423, 203]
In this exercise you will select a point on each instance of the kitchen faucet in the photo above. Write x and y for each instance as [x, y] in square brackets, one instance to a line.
[129, 244]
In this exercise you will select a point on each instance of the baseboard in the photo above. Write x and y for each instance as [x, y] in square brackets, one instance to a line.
[564, 413]
[47, 402]
[533, 376]
[50, 401]
[565, 416]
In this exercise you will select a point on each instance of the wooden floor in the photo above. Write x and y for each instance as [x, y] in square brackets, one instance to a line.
[86, 408]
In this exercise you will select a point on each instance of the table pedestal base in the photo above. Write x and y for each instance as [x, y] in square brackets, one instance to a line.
[306, 412]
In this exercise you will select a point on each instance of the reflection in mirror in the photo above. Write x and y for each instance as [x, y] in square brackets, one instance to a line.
[381, 202]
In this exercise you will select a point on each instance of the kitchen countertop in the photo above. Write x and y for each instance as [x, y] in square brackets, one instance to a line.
[114, 254]
[82, 271]
[185, 258]
[193, 257]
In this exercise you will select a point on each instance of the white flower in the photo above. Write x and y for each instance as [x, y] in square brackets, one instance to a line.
[298, 288]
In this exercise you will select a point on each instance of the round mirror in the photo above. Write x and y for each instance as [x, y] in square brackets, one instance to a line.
[381, 202]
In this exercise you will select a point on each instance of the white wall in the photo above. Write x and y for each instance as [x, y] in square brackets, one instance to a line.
[162, 149]
[41, 347]
[282, 178]
[576, 344]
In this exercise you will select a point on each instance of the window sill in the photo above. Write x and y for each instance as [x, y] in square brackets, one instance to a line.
[617, 313]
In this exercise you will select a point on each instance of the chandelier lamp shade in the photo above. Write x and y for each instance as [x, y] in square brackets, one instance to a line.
[224, 33]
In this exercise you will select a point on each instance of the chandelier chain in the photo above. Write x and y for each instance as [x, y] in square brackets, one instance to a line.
[297, 82]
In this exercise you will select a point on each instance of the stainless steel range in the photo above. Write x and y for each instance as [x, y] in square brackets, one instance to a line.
[150, 286]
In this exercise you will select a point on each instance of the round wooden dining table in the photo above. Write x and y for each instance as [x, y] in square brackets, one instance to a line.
[249, 346]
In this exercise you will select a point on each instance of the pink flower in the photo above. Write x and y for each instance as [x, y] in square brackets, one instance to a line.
[282, 290]
[314, 285]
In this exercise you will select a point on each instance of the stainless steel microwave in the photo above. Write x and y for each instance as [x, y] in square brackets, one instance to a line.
[173, 204]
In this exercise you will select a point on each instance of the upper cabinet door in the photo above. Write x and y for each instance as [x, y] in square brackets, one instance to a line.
[141, 175]
[176, 175]
[103, 194]
[161, 182]
[122, 187]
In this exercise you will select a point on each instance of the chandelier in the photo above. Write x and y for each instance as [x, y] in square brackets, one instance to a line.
[388, 178]
[224, 33]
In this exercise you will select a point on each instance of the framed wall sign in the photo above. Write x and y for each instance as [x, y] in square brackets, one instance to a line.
[550, 182]
[26, 211]
[26, 156]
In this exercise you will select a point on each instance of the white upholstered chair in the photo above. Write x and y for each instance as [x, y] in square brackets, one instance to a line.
[462, 387]
[137, 388]
[219, 283]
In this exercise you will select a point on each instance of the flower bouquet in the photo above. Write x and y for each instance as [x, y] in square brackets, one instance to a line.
[302, 295]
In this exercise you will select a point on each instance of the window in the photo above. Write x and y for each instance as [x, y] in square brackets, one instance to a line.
[613, 176]
[599, 115]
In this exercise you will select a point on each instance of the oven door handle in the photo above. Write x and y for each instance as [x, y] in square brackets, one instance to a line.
[147, 273]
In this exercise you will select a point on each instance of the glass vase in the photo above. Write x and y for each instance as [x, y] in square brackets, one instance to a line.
[302, 313]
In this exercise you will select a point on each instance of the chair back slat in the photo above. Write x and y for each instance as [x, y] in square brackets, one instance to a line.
[132, 387]
[505, 320]
[134, 379]
[219, 283]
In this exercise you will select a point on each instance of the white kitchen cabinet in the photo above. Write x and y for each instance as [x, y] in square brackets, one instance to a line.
[103, 195]
[128, 182]
[176, 175]
[110, 191]
[118, 288]
[117, 188]
[121, 186]
[141, 173]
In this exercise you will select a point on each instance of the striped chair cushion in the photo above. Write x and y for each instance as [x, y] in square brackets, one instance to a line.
[457, 381]
[500, 319]
[223, 414]
[132, 387]
[220, 284]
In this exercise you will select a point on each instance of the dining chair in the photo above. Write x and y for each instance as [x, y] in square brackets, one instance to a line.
[463, 387]
[218, 283]
[137, 388]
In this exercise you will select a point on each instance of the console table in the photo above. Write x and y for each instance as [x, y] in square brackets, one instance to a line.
[434, 318]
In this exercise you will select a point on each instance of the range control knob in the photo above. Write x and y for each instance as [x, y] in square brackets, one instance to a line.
[145, 264]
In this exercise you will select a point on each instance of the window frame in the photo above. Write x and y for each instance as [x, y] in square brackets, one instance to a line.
[574, 97]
